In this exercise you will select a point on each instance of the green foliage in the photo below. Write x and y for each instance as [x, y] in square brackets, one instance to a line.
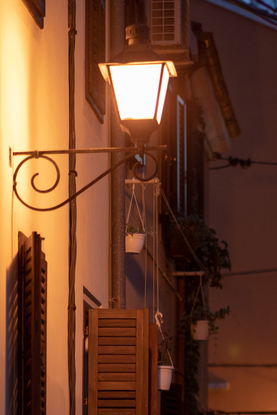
[213, 255]
[165, 349]
[203, 313]
[130, 229]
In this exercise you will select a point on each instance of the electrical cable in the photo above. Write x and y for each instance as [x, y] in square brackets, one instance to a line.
[235, 161]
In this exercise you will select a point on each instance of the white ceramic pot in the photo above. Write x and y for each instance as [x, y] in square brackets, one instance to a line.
[164, 377]
[200, 330]
[134, 243]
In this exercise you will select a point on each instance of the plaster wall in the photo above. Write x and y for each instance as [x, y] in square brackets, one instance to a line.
[242, 209]
[34, 116]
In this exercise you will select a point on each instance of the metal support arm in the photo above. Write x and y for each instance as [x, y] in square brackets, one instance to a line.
[44, 154]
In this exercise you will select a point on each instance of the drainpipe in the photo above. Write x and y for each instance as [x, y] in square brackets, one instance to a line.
[117, 35]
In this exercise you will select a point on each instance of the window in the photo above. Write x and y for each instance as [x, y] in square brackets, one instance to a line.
[174, 165]
[37, 10]
[181, 157]
[95, 53]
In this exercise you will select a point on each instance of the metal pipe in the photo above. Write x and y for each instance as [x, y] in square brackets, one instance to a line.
[118, 285]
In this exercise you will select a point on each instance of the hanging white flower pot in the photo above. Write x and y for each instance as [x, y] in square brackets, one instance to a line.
[165, 377]
[200, 330]
[134, 243]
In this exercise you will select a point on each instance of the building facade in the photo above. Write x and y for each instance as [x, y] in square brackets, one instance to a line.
[60, 260]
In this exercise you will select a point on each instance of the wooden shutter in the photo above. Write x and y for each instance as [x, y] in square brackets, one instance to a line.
[39, 5]
[171, 401]
[153, 369]
[118, 363]
[37, 10]
[95, 53]
[32, 322]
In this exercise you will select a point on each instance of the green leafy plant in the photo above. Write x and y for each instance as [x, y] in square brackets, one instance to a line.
[203, 313]
[212, 254]
[165, 349]
[130, 229]
[203, 252]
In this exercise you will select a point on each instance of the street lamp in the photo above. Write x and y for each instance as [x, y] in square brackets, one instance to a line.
[139, 80]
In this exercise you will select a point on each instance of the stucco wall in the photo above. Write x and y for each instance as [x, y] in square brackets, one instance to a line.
[34, 116]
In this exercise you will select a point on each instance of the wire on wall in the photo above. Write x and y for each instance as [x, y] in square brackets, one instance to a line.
[235, 161]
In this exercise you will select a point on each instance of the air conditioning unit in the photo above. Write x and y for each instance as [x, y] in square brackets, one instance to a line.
[169, 26]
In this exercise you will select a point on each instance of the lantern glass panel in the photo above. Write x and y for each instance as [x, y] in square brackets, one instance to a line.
[136, 89]
[162, 94]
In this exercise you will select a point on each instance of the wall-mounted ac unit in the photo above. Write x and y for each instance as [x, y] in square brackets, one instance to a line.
[169, 26]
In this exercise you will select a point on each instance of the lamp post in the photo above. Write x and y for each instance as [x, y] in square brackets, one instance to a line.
[139, 81]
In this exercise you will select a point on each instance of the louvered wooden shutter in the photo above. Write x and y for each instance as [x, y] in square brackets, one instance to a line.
[95, 53]
[171, 401]
[37, 10]
[118, 363]
[39, 5]
[32, 306]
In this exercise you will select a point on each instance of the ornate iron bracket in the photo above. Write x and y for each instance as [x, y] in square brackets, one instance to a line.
[44, 154]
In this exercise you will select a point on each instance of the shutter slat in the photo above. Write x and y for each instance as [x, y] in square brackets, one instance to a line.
[118, 368]
[117, 322]
[123, 314]
[117, 332]
[117, 350]
[116, 411]
[117, 341]
[117, 358]
[122, 377]
[119, 403]
[113, 386]
[116, 395]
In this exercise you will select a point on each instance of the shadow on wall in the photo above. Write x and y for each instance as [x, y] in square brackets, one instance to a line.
[12, 338]
[135, 273]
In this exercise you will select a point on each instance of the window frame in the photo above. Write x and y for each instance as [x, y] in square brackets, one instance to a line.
[181, 157]
[95, 50]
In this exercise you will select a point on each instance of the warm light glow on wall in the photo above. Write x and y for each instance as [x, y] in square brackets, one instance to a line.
[13, 82]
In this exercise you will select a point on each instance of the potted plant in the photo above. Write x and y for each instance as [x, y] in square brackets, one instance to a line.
[135, 238]
[202, 321]
[194, 246]
[212, 253]
[165, 363]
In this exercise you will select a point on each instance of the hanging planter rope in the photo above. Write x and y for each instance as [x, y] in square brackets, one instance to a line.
[134, 237]
[200, 329]
[165, 372]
